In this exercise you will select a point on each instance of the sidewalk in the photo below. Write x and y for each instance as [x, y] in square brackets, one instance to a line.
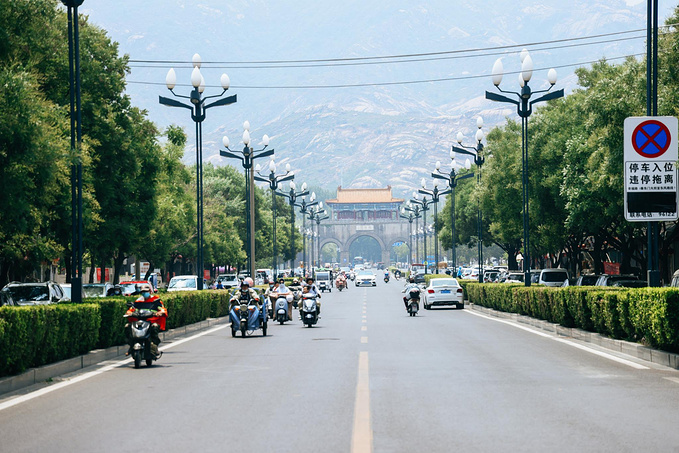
[47, 372]
[636, 350]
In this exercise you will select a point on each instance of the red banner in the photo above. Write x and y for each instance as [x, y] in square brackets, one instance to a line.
[107, 274]
[611, 268]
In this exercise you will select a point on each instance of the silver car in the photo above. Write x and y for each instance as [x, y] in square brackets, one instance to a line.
[443, 291]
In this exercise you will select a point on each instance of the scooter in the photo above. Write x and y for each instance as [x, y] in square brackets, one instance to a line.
[341, 284]
[141, 334]
[413, 298]
[309, 310]
[282, 306]
[246, 316]
[386, 279]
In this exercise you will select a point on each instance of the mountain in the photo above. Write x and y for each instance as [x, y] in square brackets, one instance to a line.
[367, 136]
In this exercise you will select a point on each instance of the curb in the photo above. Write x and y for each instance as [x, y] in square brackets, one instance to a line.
[46, 372]
[636, 350]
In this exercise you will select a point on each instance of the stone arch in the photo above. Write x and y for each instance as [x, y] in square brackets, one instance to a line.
[353, 237]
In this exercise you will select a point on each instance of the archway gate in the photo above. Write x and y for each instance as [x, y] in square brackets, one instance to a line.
[364, 212]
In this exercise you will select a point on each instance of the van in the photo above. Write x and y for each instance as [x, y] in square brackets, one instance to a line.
[323, 281]
[553, 277]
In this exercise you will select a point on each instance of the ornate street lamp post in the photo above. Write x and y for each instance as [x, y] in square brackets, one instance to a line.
[417, 214]
[452, 179]
[76, 142]
[292, 197]
[304, 208]
[524, 107]
[424, 207]
[198, 107]
[479, 159]
[274, 180]
[247, 158]
[409, 217]
[435, 195]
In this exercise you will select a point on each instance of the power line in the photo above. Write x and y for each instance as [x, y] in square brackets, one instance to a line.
[375, 84]
[398, 56]
[414, 60]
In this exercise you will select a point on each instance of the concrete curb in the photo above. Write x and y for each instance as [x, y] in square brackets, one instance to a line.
[47, 372]
[636, 350]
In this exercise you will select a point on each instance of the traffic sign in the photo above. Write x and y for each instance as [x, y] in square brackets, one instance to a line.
[650, 153]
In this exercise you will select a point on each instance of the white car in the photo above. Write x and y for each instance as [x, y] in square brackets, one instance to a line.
[183, 283]
[365, 278]
[443, 291]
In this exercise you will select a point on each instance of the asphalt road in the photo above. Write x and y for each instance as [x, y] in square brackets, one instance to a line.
[366, 378]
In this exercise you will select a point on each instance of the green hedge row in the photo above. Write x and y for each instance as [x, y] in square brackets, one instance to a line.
[38, 335]
[646, 315]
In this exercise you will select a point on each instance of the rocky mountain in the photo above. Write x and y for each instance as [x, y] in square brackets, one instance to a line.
[357, 136]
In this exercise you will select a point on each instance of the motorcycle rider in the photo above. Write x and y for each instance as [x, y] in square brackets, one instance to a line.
[284, 291]
[310, 288]
[411, 284]
[149, 301]
[245, 293]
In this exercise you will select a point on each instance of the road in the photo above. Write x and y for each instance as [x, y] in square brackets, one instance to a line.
[366, 378]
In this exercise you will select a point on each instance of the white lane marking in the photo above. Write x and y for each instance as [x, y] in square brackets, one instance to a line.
[82, 377]
[362, 435]
[364, 339]
[364, 328]
[673, 379]
[562, 340]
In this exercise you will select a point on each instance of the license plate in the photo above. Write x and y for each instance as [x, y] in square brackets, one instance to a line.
[445, 291]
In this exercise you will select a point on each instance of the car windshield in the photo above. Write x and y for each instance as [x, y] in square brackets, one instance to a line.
[444, 282]
[183, 283]
[27, 293]
[365, 274]
[553, 277]
[588, 280]
[94, 290]
[128, 288]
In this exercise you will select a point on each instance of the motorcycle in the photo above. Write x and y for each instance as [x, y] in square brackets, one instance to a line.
[309, 312]
[141, 335]
[246, 316]
[386, 279]
[352, 276]
[413, 301]
[282, 306]
[341, 284]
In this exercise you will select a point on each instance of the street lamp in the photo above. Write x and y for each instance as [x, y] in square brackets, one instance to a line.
[292, 197]
[417, 214]
[435, 195]
[452, 179]
[76, 146]
[247, 158]
[409, 217]
[198, 107]
[524, 107]
[424, 207]
[321, 214]
[304, 208]
[274, 180]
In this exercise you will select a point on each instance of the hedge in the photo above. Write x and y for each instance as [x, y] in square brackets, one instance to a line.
[32, 336]
[646, 315]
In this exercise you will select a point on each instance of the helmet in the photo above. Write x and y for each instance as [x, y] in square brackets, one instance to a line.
[144, 287]
[295, 281]
[248, 281]
[289, 298]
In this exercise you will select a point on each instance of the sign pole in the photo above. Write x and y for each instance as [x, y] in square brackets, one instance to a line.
[653, 272]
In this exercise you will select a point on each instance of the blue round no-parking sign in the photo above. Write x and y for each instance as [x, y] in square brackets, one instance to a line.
[651, 139]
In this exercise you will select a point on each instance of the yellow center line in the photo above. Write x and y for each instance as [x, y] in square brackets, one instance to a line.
[362, 435]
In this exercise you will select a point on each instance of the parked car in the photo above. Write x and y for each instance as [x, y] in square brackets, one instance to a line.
[365, 278]
[553, 277]
[587, 280]
[443, 291]
[675, 279]
[6, 299]
[491, 276]
[514, 277]
[228, 280]
[610, 280]
[98, 289]
[184, 283]
[34, 293]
